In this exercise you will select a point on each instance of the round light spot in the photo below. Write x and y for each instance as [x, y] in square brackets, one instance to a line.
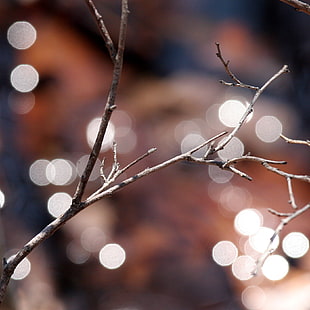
[248, 221]
[268, 129]
[261, 240]
[192, 140]
[37, 172]
[234, 198]
[92, 239]
[295, 244]
[112, 256]
[60, 172]
[243, 267]
[21, 103]
[212, 117]
[2, 199]
[275, 267]
[126, 143]
[224, 253]
[183, 128]
[81, 164]
[76, 253]
[253, 297]
[22, 270]
[231, 112]
[92, 130]
[24, 78]
[58, 204]
[218, 175]
[234, 148]
[21, 35]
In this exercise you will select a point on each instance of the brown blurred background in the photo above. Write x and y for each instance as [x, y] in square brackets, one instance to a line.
[169, 222]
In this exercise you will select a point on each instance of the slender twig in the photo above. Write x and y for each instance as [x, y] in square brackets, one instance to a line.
[77, 205]
[187, 156]
[109, 107]
[288, 140]
[116, 172]
[259, 91]
[290, 192]
[236, 82]
[103, 29]
[305, 178]
[298, 5]
[287, 218]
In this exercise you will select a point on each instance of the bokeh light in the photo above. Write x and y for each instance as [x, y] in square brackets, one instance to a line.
[112, 256]
[58, 204]
[24, 78]
[218, 175]
[22, 270]
[60, 172]
[224, 253]
[235, 198]
[268, 129]
[243, 267]
[275, 267]
[261, 240]
[231, 111]
[92, 130]
[21, 35]
[295, 244]
[76, 253]
[253, 297]
[21, 103]
[192, 140]
[81, 164]
[234, 148]
[37, 172]
[183, 128]
[2, 199]
[126, 142]
[212, 117]
[248, 221]
[92, 239]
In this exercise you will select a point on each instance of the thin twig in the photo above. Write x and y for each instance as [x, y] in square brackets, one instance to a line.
[181, 157]
[298, 5]
[288, 140]
[109, 107]
[77, 205]
[305, 178]
[259, 91]
[290, 192]
[288, 217]
[236, 82]
[103, 29]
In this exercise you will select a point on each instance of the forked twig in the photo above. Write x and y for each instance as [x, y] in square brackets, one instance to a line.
[288, 140]
[238, 83]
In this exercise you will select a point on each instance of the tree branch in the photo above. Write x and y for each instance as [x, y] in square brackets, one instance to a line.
[237, 83]
[298, 5]
[110, 104]
[77, 205]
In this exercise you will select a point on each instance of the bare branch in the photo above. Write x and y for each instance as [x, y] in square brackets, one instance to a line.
[305, 178]
[77, 205]
[103, 192]
[290, 192]
[288, 140]
[298, 5]
[288, 217]
[103, 30]
[109, 107]
[236, 82]
[259, 91]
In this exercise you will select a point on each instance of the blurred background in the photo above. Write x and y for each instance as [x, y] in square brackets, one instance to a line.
[186, 237]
